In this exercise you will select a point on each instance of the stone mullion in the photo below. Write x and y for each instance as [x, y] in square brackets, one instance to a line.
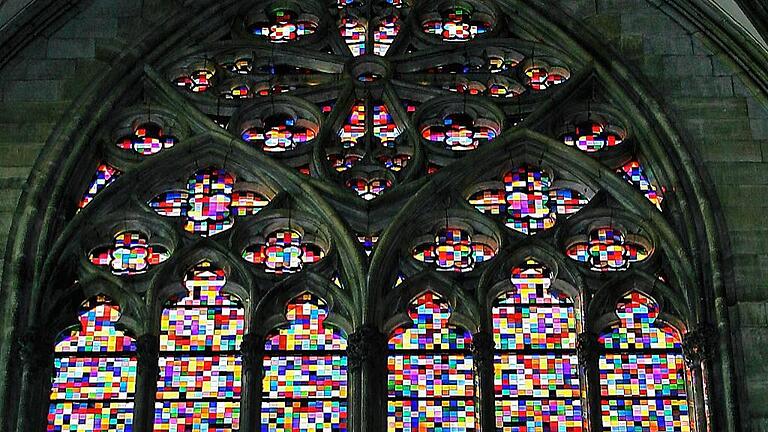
[147, 373]
[482, 357]
[36, 355]
[252, 352]
[367, 380]
[589, 352]
[698, 349]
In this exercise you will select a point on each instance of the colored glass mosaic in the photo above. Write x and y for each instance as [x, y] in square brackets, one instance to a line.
[197, 81]
[453, 250]
[642, 390]
[540, 78]
[93, 393]
[532, 326]
[647, 375]
[606, 249]
[384, 34]
[430, 330]
[538, 415]
[384, 127]
[537, 375]
[591, 137]
[369, 189]
[368, 241]
[635, 174]
[216, 416]
[200, 391]
[284, 25]
[147, 139]
[218, 328]
[209, 203]
[637, 328]
[283, 252]
[131, 254]
[104, 176]
[95, 378]
[432, 415]
[90, 417]
[394, 162]
[459, 132]
[304, 416]
[354, 126]
[430, 390]
[536, 371]
[305, 377]
[190, 377]
[353, 30]
[456, 24]
[306, 330]
[659, 415]
[426, 376]
[528, 202]
[97, 333]
[305, 392]
[280, 133]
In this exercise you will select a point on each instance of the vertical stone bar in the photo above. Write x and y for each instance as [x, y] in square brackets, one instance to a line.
[36, 355]
[482, 357]
[367, 380]
[589, 351]
[252, 354]
[698, 350]
[147, 354]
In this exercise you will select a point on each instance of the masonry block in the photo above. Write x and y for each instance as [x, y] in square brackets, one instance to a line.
[71, 48]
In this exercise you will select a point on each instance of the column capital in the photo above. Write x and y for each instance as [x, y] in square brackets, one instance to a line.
[482, 347]
[35, 349]
[252, 350]
[588, 348]
[699, 344]
[366, 344]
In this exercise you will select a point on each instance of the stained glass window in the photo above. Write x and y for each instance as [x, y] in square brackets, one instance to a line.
[210, 203]
[536, 369]
[635, 174]
[642, 372]
[453, 250]
[284, 251]
[94, 374]
[200, 365]
[305, 372]
[606, 249]
[528, 200]
[129, 255]
[431, 384]
[104, 176]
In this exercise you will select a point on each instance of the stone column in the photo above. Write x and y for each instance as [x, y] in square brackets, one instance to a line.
[482, 357]
[698, 351]
[367, 380]
[35, 352]
[589, 351]
[252, 355]
[147, 373]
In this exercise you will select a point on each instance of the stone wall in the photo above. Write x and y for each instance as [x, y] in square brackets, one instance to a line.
[723, 123]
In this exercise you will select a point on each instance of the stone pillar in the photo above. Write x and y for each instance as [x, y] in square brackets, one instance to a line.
[482, 357]
[36, 357]
[698, 352]
[147, 373]
[252, 355]
[589, 351]
[367, 380]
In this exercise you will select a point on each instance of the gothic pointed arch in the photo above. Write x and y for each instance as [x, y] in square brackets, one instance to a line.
[370, 215]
